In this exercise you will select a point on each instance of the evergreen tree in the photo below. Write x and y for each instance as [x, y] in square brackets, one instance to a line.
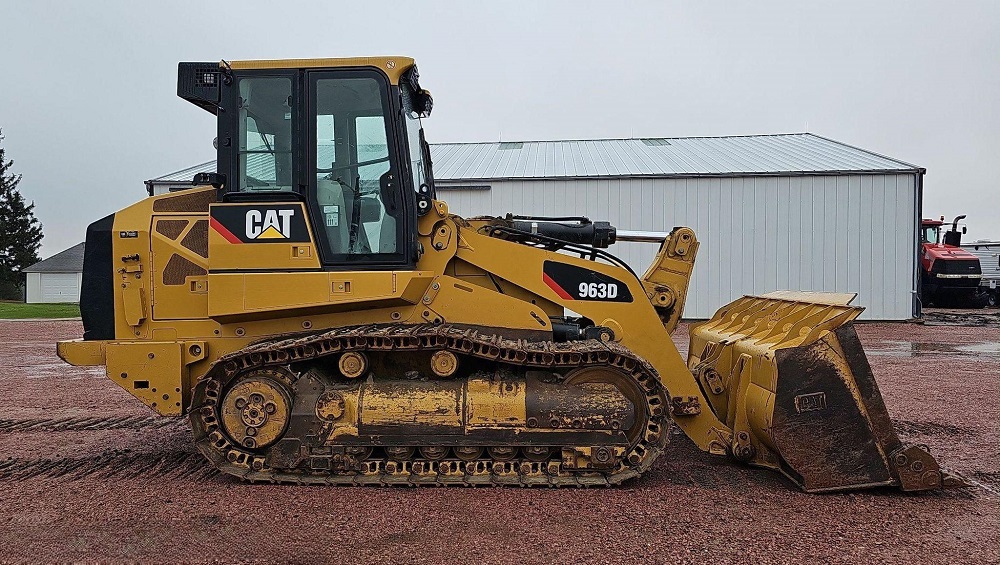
[20, 232]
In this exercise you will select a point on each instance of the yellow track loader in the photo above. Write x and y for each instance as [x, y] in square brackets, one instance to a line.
[321, 317]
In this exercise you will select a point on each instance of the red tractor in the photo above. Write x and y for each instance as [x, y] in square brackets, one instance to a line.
[949, 275]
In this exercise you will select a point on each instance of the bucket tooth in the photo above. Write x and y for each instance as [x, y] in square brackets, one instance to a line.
[800, 395]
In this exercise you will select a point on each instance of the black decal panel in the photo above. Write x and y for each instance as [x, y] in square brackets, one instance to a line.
[576, 283]
[261, 223]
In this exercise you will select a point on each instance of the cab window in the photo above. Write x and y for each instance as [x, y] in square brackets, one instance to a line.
[355, 191]
[265, 134]
[414, 139]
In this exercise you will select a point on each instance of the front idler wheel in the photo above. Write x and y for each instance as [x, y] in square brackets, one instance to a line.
[255, 411]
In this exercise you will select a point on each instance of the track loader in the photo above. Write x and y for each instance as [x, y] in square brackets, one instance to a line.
[320, 316]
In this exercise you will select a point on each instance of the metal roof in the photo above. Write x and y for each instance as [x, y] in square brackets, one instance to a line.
[258, 166]
[184, 176]
[794, 153]
[802, 153]
[68, 261]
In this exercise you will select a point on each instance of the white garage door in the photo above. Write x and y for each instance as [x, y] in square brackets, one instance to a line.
[60, 287]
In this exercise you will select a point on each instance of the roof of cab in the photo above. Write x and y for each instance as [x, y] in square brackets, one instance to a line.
[391, 65]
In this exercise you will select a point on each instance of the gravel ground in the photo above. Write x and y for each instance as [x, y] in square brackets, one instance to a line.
[87, 474]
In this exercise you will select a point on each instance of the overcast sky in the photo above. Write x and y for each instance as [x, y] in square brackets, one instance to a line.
[89, 110]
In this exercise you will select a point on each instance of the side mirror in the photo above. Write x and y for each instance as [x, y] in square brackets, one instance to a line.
[965, 230]
[424, 102]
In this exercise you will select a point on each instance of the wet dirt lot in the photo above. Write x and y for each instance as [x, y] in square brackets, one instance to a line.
[88, 474]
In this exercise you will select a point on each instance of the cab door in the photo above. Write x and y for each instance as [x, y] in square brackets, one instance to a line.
[354, 191]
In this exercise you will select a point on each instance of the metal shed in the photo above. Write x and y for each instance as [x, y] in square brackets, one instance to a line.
[772, 212]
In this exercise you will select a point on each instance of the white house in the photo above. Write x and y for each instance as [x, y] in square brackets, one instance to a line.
[58, 278]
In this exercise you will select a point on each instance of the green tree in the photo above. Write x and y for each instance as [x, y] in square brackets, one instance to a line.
[20, 232]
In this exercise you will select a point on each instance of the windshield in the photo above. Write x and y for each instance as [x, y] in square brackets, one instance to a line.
[931, 234]
[265, 138]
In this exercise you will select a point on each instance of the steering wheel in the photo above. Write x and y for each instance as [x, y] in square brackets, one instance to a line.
[353, 165]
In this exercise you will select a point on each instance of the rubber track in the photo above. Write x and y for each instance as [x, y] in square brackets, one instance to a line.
[233, 460]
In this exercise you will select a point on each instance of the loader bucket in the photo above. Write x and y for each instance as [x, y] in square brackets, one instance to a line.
[787, 373]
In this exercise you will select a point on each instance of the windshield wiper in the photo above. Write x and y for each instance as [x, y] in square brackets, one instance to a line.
[352, 165]
[352, 244]
[266, 144]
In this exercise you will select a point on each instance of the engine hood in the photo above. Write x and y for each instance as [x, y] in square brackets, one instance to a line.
[937, 251]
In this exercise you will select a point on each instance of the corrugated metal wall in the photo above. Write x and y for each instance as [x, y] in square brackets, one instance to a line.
[849, 233]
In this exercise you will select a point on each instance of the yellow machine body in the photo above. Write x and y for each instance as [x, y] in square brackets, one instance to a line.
[457, 368]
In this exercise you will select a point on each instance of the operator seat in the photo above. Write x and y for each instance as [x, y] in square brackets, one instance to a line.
[336, 204]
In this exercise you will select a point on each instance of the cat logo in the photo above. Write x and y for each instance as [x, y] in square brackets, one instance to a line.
[260, 223]
[269, 224]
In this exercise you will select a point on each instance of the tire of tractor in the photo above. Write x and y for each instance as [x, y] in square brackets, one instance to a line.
[993, 298]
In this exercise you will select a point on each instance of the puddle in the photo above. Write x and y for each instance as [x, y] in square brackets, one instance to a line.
[988, 347]
[894, 348]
